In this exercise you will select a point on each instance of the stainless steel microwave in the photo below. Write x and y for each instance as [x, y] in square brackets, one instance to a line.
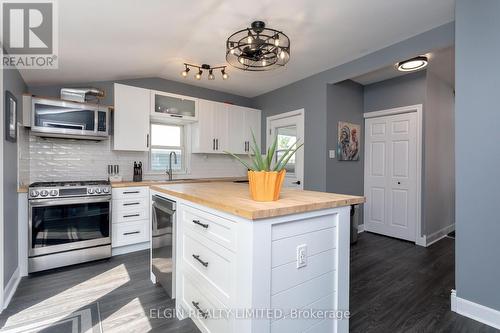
[63, 119]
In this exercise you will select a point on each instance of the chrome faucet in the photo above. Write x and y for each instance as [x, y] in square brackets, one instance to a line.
[169, 171]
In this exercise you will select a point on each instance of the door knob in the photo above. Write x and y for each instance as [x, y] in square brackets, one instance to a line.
[297, 182]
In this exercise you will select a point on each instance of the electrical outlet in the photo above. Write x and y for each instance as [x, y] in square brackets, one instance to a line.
[301, 255]
[331, 153]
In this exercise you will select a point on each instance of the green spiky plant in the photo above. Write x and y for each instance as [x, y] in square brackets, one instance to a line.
[265, 163]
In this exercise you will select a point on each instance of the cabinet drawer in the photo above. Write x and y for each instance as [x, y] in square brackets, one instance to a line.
[213, 227]
[130, 193]
[131, 204]
[130, 233]
[200, 304]
[130, 215]
[211, 263]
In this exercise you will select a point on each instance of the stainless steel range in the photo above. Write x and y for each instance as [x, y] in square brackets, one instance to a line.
[69, 223]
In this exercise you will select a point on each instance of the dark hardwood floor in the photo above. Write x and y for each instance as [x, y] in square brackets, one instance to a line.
[395, 287]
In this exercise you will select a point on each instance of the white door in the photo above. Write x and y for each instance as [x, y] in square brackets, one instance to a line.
[391, 175]
[289, 127]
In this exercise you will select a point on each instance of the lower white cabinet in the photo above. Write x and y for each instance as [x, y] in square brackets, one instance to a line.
[230, 268]
[130, 216]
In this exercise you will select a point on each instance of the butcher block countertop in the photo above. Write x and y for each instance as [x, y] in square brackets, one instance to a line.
[175, 181]
[235, 199]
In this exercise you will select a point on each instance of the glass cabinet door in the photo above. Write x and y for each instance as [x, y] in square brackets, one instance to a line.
[174, 106]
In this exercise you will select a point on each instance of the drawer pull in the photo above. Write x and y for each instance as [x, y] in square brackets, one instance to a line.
[200, 224]
[131, 203]
[131, 192]
[197, 257]
[131, 233]
[204, 314]
[132, 215]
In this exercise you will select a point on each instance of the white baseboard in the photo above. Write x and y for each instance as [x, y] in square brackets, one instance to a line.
[361, 228]
[478, 312]
[11, 287]
[428, 240]
[116, 251]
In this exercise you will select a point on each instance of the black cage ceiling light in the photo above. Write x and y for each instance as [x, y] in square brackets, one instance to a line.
[258, 48]
[204, 67]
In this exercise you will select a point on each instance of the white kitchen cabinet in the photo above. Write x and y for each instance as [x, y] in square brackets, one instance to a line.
[173, 108]
[131, 118]
[210, 132]
[242, 121]
[130, 219]
[252, 123]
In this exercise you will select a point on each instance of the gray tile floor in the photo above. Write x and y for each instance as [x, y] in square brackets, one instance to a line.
[395, 287]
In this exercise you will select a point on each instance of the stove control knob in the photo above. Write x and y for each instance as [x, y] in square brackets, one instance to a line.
[34, 193]
[44, 193]
[90, 191]
[53, 193]
[105, 190]
[98, 190]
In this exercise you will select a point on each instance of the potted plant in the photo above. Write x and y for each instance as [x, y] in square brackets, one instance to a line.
[265, 177]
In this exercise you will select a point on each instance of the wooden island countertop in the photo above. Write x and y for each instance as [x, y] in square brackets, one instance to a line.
[235, 199]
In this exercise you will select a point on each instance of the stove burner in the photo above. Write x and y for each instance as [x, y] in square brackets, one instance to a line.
[71, 183]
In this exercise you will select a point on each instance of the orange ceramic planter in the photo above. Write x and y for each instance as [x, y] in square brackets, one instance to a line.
[265, 185]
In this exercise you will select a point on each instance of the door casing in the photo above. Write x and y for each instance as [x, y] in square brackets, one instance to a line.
[419, 238]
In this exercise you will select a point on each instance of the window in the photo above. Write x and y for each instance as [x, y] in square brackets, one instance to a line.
[164, 140]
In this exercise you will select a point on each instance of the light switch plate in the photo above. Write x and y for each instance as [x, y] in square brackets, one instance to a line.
[301, 255]
[331, 153]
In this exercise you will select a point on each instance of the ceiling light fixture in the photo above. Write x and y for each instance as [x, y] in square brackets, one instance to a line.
[204, 67]
[412, 64]
[258, 48]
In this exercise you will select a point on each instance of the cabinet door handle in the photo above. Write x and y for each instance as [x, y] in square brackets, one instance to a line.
[216, 144]
[297, 182]
[197, 257]
[132, 215]
[176, 116]
[200, 224]
[147, 140]
[213, 144]
[131, 233]
[204, 314]
[246, 146]
[131, 192]
[131, 203]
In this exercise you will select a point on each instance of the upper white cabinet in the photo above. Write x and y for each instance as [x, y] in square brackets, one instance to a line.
[173, 108]
[210, 132]
[242, 121]
[131, 118]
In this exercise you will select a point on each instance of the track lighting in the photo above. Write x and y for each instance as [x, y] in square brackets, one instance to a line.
[202, 68]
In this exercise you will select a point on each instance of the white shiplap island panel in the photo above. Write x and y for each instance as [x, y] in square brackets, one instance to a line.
[252, 265]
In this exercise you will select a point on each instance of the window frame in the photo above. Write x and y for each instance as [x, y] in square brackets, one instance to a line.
[183, 148]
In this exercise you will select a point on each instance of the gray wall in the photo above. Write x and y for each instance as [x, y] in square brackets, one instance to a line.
[477, 136]
[401, 91]
[439, 149]
[148, 83]
[13, 82]
[311, 94]
[435, 93]
[345, 103]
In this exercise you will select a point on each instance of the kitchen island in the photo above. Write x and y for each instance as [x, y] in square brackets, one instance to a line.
[247, 266]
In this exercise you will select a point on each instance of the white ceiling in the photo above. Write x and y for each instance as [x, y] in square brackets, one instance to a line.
[110, 40]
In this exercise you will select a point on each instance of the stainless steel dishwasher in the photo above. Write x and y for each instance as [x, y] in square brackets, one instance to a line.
[163, 243]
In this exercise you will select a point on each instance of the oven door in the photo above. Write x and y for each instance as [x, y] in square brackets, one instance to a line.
[58, 225]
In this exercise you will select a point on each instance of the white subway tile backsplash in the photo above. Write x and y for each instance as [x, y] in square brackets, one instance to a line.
[53, 159]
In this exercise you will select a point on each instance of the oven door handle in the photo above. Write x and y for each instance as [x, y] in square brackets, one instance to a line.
[68, 201]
